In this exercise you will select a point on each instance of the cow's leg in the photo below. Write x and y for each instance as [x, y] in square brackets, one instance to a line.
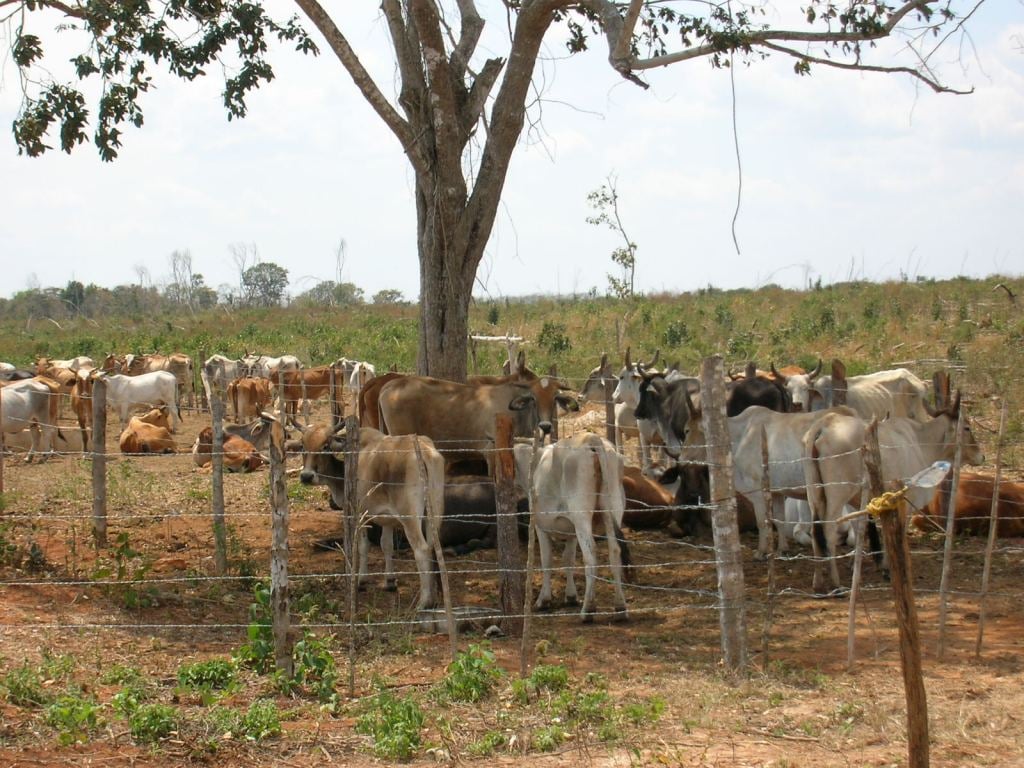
[829, 528]
[421, 550]
[756, 500]
[569, 566]
[585, 537]
[544, 547]
[387, 546]
[363, 552]
[615, 560]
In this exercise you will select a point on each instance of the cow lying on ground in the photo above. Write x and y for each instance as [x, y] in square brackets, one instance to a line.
[149, 433]
[240, 455]
[575, 481]
[398, 487]
[974, 505]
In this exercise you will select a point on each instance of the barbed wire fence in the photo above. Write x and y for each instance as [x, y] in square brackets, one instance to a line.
[669, 577]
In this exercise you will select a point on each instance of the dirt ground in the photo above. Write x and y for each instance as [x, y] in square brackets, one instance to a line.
[799, 705]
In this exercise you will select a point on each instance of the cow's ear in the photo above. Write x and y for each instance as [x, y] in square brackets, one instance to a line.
[568, 402]
[337, 444]
[520, 402]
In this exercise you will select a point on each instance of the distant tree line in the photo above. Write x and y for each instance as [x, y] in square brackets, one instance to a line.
[263, 284]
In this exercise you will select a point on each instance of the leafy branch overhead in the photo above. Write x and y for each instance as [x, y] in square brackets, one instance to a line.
[605, 201]
[125, 42]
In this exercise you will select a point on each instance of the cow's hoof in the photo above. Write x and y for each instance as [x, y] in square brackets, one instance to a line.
[760, 556]
[620, 614]
[587, 617]
[573, 600]
[542, 605]
[390, 586]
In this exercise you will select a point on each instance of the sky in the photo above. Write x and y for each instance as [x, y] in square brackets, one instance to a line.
[841, 175]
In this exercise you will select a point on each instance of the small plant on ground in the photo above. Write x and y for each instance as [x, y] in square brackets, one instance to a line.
[545, 677]
[128, 568]
[394, 724]
[149, 723]
[207, 677]
[471, 676]
[23, 687]
[258, 652]
[487, 744]
[74, 717]
[314, 668]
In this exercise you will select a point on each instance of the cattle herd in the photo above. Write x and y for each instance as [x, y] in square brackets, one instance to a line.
[427, 448]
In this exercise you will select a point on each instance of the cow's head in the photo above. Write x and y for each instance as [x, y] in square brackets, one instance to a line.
[970, 447]
[158, 417]
[594, 388]
[538, 404]
[627, 390]
[801, 388]
[319, 464]
[670, 406]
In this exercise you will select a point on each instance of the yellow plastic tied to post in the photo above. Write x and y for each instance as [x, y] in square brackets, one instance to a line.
[887, 502]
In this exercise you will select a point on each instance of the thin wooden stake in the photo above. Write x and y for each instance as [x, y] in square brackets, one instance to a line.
[3, 448]
[728, 553]
[351, 556]
[99, 462]
[336, 411]
[993, 523]
[220, 539]
[510, 556]
[895, 538]
[279, 603]
[609, 410]
[858, 564]
[768, 522]
[524, 647]
[947, 553]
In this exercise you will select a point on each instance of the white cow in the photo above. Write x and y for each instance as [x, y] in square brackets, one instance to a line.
[219, 371]
[268, 367]
[833, 470]
[897, 392]
[146, 391]
[573, 481]
[30, 404]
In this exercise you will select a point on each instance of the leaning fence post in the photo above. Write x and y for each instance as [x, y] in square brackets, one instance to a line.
[895, 539]
[279, 553]
[609, 410]
[220, 542]
[858, 563]
[2, 446]
[766, 491]
[203, 399]
[510, 556]
[99, 462]
[947, 552]
[993, 522]
[351, 514]
[336, 411]
[728, 554]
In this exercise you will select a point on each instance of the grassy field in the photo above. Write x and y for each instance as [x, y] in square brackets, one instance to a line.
[138, 655]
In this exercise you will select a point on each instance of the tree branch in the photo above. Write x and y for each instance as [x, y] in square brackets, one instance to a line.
[482, 85]
[362, 79]
[933, 84]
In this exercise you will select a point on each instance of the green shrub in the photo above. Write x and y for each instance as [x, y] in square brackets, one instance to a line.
[471, 676]
[262, 720]
[74, 717]
[23, 687]
[214, 675]
[258, 652]
[487, 744]
[545, 677]
[394, 724]
[149, 723]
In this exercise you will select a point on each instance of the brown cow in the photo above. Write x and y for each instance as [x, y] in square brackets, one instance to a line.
[305, 385]
[369, 407]
[239, 454]
[249, 396]
[459, 418]
[973, 507]
[81, 404]
[149, 433]
[648, 503]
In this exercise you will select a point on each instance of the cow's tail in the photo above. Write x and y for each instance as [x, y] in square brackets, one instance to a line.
[433, 466]
[815, 485]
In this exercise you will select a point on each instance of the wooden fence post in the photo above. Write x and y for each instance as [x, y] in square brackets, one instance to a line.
[728, 553]
[766, 491]
[947, 552]
[896, 544]
[858, 563]
[220, 541]
[279, 553]
[2, 446]
[993, 521]
[337, 412]
[609, 410]
[350, 549]
[203, 400]
[510, 556]
[99, 462]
